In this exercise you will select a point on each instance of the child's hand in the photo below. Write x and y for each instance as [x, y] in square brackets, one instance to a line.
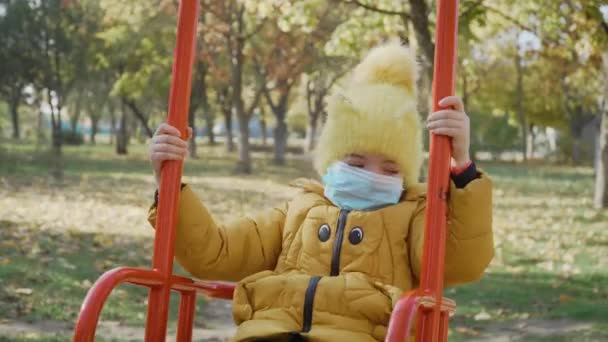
[455, 124]
[166, 144]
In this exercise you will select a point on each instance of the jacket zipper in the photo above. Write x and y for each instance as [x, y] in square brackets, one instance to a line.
[309, 300]
[309, 297]
[335, 258]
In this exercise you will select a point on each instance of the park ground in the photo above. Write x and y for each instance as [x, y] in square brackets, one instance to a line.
[547, 282]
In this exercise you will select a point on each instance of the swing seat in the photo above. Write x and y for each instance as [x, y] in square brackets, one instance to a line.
[432, 310]
[400, 326]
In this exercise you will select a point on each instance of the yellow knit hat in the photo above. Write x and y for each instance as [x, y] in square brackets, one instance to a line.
[376, 113]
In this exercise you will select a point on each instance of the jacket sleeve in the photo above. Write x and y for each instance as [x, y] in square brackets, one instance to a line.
[230, 251]
[469, 240]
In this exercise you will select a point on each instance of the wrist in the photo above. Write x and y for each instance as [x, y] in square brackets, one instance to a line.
[157, 179]
[461, 162]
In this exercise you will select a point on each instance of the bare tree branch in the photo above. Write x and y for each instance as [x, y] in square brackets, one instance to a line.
[256, 30]
[377, 9]
[255, 102]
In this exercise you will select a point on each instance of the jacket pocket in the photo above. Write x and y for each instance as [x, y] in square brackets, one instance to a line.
[370, 300]
[269, 290]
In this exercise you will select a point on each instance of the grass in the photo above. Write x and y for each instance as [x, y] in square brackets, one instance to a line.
[550, 269]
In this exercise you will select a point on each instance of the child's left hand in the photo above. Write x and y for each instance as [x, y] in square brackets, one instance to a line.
[453, 123]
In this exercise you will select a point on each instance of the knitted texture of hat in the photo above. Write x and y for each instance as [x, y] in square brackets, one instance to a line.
[376, 113]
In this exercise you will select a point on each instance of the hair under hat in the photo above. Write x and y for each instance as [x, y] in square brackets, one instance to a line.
[376, 113]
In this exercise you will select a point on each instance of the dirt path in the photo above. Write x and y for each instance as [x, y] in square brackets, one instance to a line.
[105, 331]
[498, 332]
[216, 314]
[525, 330]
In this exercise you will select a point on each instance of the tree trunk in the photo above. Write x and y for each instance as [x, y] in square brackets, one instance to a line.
[280, 130]
[122, 134]
[76, 114]
[14, 104]
[280, 141]
[112, 111]
[192, 124]
[577, 126]
[209, 123]
[520, 105]
[531, 141]
[263, 125]
[311, 132]
[601, 174]
[420, 20]
[244, 163]
[56, 136]
[236, 73]
[226, 107]
[94, 125]
[230, 146]
[40, 123]
[205, 106]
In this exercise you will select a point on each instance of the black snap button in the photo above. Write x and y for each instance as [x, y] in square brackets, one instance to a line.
[355, 236]
[324, 233]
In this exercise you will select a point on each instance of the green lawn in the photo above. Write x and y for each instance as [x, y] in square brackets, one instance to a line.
[550, 269]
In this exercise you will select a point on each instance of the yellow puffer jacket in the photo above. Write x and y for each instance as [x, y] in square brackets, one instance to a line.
[330, 274]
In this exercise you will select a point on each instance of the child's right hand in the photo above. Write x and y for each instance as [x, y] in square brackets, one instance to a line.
[167, 144]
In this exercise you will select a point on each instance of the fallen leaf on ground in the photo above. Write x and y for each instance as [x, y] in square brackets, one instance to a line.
[24, 291]
[564, 298]
[467, 331]
[482, 316]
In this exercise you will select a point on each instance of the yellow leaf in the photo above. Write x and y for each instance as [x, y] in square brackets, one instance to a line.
[564, 298]
[467, 331]
[482, 316]
[24, 291]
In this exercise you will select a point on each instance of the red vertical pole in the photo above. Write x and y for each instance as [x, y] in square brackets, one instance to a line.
[187, 308]
[431, 282]
[179, 102]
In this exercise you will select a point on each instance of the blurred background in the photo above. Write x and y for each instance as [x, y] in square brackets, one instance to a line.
[84, 84]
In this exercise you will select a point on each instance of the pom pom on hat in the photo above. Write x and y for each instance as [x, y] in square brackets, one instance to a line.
[392, 64]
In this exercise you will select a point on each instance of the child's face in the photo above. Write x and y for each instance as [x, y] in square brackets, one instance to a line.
[373, 162]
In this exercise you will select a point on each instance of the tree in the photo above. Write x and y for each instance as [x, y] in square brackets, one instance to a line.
[238, 27]
[63, 32]
[328, 70]
[215, 57]
[138, 41]
[297, 32]
[601, 172]
[19, 56]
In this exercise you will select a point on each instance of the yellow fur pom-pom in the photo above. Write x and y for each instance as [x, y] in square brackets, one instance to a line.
[392, 64]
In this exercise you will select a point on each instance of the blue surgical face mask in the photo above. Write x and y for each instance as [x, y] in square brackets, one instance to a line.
[354, 188]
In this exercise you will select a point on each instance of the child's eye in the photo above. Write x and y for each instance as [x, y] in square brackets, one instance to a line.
[391, 172]
[357, 165]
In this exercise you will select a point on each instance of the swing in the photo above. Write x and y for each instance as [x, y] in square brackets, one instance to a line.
[425, 303]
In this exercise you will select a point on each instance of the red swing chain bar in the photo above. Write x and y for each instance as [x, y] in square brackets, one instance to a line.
[160, 279]
[179, 103]
[427, 301]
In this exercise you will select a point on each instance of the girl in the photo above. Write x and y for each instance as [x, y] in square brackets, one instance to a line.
[330, 264]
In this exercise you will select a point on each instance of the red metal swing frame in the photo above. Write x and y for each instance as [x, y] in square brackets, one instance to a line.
[426, 303]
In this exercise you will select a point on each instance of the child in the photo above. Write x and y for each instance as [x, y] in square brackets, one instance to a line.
[330, 264]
